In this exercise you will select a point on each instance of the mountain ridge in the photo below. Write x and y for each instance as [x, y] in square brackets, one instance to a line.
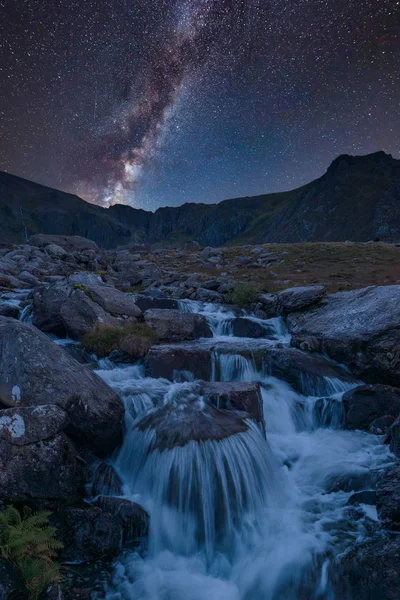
[357, 198]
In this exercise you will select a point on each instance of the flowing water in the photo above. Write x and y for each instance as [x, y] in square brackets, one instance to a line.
[254, 516]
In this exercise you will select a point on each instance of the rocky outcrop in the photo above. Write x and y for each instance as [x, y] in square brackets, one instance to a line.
[34, 371]
[299, 298]
[242, 327]
[134, 520]
[394, 437]
[366, 403]
[358, 328]
[174, 326]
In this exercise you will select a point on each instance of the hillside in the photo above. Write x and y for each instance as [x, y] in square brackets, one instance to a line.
[357, 199]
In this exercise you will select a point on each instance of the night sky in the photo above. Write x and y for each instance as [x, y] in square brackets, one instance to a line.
[160, 102]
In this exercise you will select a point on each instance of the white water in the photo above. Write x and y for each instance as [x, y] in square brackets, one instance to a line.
[245, 518]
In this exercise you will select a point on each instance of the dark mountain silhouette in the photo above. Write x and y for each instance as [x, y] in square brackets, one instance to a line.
[357, 199]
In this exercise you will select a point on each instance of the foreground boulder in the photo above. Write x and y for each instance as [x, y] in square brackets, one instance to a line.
[175, 326]
[45, 473]
[358, 328]
[299, 298]
[34, 371]
[242, 327]
[134, 520]
[366, 403]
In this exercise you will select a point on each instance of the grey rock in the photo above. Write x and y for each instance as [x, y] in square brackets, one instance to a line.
[113, 301]
[29, 279]
[299, 298]
[55, 251]
[174, 326]
[238, 396]
[35, 371]
[242, 327]
[69, 242]
[133, 519]
[147, 302]
[270, 304]
[365, 403]
[46, 310]
[42, 474]
[28, 425]
[9, 310]
[358, 328]
[394, 437]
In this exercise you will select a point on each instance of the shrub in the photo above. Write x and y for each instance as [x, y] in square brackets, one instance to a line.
[134, 339]
[243, 295]
[30, 542]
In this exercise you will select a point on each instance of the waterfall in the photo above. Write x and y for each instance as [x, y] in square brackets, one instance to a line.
[236, 514]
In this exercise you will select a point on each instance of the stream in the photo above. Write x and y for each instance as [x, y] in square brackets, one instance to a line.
[256, 515]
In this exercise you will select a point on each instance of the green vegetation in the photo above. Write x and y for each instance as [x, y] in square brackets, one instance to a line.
[243, 295]
[135, 340]
[30, 543]
[84, 289]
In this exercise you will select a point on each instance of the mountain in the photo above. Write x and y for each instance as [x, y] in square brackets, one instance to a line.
[357, 199]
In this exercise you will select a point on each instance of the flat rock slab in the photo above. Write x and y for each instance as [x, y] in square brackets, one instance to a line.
[174, 326]
[359, 328]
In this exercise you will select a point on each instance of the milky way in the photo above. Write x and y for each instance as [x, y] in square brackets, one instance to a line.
[161, 102]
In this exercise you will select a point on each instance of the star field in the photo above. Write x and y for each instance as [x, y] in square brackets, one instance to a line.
[160, 102]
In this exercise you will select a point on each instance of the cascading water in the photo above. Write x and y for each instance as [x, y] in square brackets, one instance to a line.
[239, 517]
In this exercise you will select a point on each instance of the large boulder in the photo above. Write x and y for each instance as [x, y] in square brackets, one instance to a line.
[371, 571]
[113, 301]
[388, 498]
[299, 298]
[45, 473]
[242, 327]
[366, 403]
[172, 428]
[88, 534]
[79, 314]
[175, 326]
[168, 361]
[148, 302]
[35, 371]
[30, 424]
[358, 328]
[46, 310]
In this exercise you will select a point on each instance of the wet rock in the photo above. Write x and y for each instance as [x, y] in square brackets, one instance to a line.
[165, 360]
[35, 371]
[192, 422]
[366, 403]
[357, 328]
[242, 327]
[113, 301]
[388, 498]
[235, 395]
[175, 326]
[29, 279]
[381, 425]
[394, 437]
[27, 425]
[46, 310]
[88, 534]
[148, 302]
[105, 481]
[371, 571]
[363, 497]
[203, 295]
[133, 519]
[46, 473]
[299, 298]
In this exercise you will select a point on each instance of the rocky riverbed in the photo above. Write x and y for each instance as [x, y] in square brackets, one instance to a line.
[194, 432]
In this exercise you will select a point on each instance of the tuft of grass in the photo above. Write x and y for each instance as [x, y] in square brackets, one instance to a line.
[30, 543]
[84, 289]
[136, 340]
[243, 295]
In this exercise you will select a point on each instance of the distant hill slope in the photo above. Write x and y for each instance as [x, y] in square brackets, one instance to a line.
[358, 199]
